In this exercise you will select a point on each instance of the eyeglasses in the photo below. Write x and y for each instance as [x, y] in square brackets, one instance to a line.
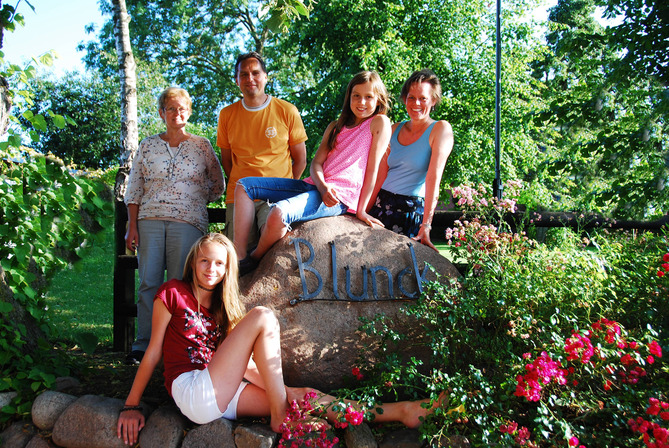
[172, 110]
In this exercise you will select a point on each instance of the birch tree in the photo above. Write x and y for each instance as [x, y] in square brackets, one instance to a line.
[128, 77]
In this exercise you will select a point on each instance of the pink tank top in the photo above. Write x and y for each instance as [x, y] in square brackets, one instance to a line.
[345, 165]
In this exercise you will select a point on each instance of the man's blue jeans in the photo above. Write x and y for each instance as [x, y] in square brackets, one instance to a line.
[298, 200]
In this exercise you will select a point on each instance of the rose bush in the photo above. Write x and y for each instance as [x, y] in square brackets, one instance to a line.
[301, 429]
[537, 344]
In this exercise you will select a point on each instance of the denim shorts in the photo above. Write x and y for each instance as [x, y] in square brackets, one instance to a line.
[194, 395]
[298, 200]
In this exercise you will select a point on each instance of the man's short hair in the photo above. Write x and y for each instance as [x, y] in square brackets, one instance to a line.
[251, 55]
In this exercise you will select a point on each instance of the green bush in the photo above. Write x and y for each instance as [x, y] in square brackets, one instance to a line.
[538, 344]
[49, 216]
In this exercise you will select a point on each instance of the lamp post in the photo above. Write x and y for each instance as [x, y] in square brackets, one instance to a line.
[497, 188]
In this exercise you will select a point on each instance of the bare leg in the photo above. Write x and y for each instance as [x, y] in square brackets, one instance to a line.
[258, 333]
[243, 220]
[273, 230]
[408, 413]
[253, 402]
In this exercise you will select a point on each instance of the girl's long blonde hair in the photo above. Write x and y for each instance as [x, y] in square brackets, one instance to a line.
[225, 302]
[347, 117]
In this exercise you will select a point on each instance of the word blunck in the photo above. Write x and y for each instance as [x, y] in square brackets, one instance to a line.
[372, 272]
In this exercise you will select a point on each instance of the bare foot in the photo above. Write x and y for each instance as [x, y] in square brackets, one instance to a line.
[415, 413]
[306, 425]
[276, 420]
[298, 393]
[308, 422]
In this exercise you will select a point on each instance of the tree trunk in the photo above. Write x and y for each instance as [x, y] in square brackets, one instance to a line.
[2, 30]
[5, 99]
[127, 73]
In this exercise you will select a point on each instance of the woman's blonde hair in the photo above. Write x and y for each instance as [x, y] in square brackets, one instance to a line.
[347, 117]
[225, 302]
[174, 92]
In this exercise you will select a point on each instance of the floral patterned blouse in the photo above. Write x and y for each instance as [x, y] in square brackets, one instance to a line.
[175, 183]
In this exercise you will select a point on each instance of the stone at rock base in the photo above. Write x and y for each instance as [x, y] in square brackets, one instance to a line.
[402, 438]
[319, 339]
[90, 422]
[6, 398]
[17, 435]
[39, 442]
[48, 406]
[360, 437]
[217, 433]
[164, 428]
[255, 436]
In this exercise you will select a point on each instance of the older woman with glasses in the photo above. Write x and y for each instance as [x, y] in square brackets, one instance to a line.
[173, 177]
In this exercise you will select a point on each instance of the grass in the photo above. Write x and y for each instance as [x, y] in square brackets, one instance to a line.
[80, 298]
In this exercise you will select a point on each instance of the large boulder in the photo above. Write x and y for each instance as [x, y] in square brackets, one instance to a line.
[320, 312]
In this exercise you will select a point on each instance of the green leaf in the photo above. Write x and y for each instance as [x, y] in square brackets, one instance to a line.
[6, 307]
[30, 292]
[300, 8]
[47, 59]
[59, 121]
[15, 141]
[87, 341]
[39, 122]
[276, 21]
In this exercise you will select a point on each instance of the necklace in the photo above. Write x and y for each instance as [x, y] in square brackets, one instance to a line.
[198, 315]
[206, 289]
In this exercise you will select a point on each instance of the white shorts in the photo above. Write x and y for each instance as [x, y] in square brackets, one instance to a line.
[193, 393]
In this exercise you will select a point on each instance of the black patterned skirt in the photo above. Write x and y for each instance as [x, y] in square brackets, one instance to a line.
[399, 213]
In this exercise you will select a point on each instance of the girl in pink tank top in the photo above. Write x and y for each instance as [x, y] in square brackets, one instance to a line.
[343, 173]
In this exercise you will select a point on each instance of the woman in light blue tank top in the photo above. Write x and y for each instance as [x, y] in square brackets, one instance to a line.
[410, 173]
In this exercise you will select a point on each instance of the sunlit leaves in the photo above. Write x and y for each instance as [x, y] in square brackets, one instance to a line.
[41, 227]
[82, 125]
[609, 140]
[282, 12]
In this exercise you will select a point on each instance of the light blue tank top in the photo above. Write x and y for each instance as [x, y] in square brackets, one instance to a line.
[407, 165]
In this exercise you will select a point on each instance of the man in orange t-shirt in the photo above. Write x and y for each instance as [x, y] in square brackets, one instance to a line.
[259, 135]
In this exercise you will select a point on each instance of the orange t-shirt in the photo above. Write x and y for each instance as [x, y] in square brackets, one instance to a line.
[259, 140]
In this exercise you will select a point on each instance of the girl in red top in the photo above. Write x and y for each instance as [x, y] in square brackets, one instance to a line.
[218, 361]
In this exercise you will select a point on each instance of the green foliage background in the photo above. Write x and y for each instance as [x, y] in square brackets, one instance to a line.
[584, 107]
[49, 216]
